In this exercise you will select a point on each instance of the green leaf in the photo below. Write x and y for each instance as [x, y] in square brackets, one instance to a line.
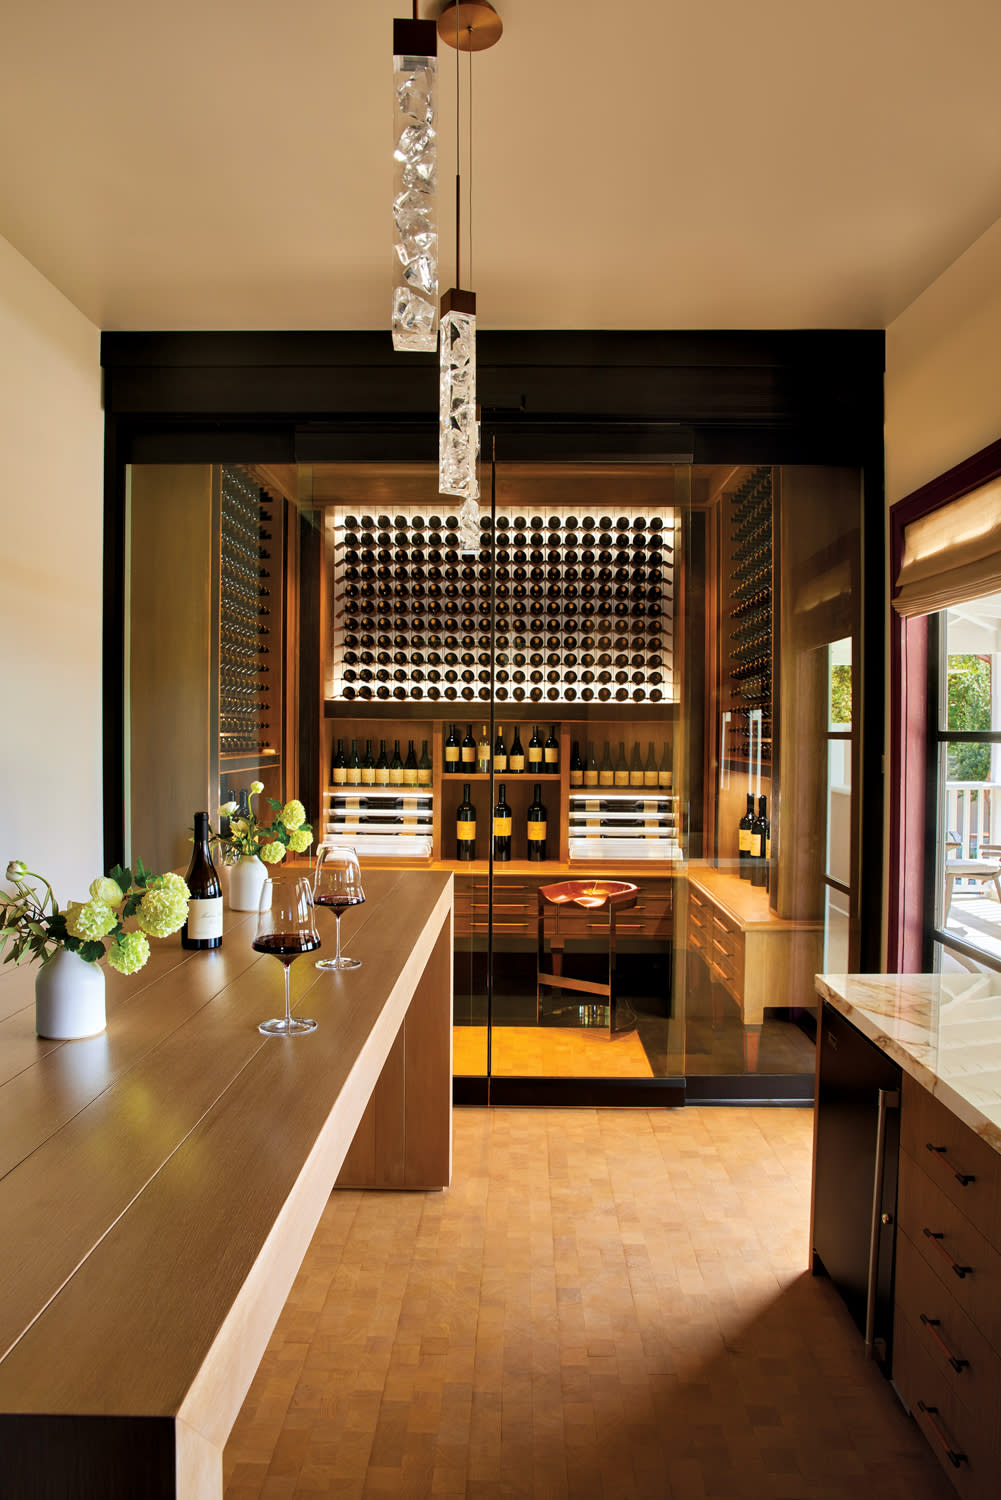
[121, 877]
[142, 874]
[92, 952]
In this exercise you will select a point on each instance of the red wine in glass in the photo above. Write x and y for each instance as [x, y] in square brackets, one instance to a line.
[337, 885]
[286, 928]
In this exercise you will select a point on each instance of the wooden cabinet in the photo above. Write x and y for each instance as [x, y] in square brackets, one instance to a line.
[947, 1305]
[759, 959]
[516, 907]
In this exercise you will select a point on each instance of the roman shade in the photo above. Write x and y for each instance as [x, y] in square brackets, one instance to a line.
[952, 554]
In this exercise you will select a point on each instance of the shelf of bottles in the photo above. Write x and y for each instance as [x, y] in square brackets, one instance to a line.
[622, 805]
[381, 802]
[583, 608]
[249, 570]
[747, 621]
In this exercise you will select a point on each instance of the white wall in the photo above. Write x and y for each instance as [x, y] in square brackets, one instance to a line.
[943, 370]
[51, 550]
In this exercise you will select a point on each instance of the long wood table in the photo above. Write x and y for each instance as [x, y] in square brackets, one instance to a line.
[160, 1183]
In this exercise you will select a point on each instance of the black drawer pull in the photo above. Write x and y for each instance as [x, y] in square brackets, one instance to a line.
[963, 1178]
[954, 1458]
[936, 1239]
[932, 1325]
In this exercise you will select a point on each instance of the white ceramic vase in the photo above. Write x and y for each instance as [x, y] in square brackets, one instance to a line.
[246, 880]
[69, 997]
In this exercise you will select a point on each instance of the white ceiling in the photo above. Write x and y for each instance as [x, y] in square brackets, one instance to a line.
[650, 164]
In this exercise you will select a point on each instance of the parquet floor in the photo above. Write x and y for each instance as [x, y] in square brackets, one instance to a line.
[607, 1305]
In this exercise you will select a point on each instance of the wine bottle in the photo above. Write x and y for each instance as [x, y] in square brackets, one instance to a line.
[410, 766]
[759, 842]
[651, 776]
[500, 751]
[424, 766]
[465, 827]
[576, 765]
[591, 766]
[664, 775]
[636, 767]
[382, 766]
[535, 761]
[452, 750]
[551, 753]
[483, 753]
[516, 760]
[203, 928]
[368, 766]
[535, 826]
[744, 840]
[396, 766]
[338, 765]
[606, 773]
[621, 773]
[502, 826]
[467, 750]
[352, 774]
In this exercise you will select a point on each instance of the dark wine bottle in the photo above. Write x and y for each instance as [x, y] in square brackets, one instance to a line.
[353, 769]
[576, 765]
[516, 760]
[535, 761]
[452, 750]
[396, 766]
[465, 827]
[744, 839]
[424, 766]
[203, 928]
[410, 766]
[636, 767]
[760, 833]
[551, 753]
[467, 751]
[606, 772]
[382, 766]
[338, 765]
[500, 751]
[535, 826]
[502, 826]
[621, 772]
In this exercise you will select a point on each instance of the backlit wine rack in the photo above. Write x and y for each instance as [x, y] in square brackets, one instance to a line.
[623, 825]
[746, 621]
[396, 821]
[581, 608]
[250, 573]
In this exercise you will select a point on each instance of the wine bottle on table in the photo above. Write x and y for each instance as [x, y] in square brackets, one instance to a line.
[606, 773]
[536, 826]
[744, 840]
[410, 766]
[576, 765]
[452, 750]
[203, 928]
[535, 761]
[551, 753]
[516, 760]
[467, 751]
[759, 843]
[382, 766]
[424, 766]
[500, 751]
[502, 826]
[591, 772]
[396, 766]
[465, 827]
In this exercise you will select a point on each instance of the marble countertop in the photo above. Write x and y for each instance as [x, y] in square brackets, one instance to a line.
[943, 1029]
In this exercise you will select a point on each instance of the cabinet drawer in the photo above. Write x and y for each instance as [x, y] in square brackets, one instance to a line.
[966, 1169]
[966, 1452]
[951, 1343]
[958, 1254]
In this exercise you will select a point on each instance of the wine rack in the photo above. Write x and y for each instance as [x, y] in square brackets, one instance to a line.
[250, 577]
[621, 825]
[578, 608]
[746, 621]
[396, 821]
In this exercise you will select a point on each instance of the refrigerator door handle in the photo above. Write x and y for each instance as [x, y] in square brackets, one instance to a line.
[888, 1099]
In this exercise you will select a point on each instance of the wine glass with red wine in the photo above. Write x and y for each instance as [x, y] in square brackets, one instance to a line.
[337, 885]
[286, 928]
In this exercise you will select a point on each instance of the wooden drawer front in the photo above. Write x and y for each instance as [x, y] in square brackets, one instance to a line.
[951, 1342]
[957, 1154]
[948, 1426]
[951, 1241]
[700, 928]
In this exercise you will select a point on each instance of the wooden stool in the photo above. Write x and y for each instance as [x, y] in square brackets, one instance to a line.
[589, 895]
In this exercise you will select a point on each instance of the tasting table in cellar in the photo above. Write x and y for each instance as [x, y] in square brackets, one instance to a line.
[160, 1183]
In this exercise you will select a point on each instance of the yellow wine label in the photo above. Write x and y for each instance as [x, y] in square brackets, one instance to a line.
[368, 776]
[536, 831]
[590, 778]
[396, 777]
[464, 830]
[768, 847]
[451, 755]
[744, 840]
[535, 755]
[409, 775]
[500, 762]
[755, 846]
[502, 828]
[468, 755]
[382, 776]
[423, 775]
[340, 775]
[664, 780]
[576, 778]
[635, 778]
[649, 778]
[552, 755]
[515, 762]
[621, 778]
[353, 777]
[606, 778]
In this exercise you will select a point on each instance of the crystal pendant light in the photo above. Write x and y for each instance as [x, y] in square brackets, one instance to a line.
[415, 185]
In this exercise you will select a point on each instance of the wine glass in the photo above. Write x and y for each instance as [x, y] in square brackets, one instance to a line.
[337, 885]
[286, 927]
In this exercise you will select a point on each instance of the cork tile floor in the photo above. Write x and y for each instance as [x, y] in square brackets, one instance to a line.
[605, 1304]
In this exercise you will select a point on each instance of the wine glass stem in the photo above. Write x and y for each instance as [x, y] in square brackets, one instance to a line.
[287, 970]
[337, 955]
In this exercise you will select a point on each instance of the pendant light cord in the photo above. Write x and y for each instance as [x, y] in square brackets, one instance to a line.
[458, 112]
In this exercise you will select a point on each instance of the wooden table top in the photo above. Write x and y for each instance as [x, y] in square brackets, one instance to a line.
[143, 1171]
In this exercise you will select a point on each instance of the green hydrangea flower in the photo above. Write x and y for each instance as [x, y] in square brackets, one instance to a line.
[162, 910]
[170, 882]
[272, 853]
[299, 840]
[129, 952]
[89, 920]
[107, 890]
[293, 815]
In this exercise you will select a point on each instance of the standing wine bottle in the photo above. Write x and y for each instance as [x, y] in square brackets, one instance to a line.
[665, 775]
[621, 773]
[576, 765]
[591, 772]
[352, 774]
[396, 766]
[368, 766]
[382, 766]
[535, 826]
[203, 928]
[551, 753]
[338, 765]
[452, 750]
[502, 826]
[467, 751]
[500, 750]
[759, 843]
[650, 774]
[516, 760]
[535, 761]
[483, 753]
[636, 767]
[465, 827]
[744, 840]
[606, 773]
[410, 766]
[424, 766]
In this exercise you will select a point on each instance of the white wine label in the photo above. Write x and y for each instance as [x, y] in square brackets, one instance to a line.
[205, 917]
[536, 831]
[465, 830]
[744, 840]
[502, 828]
[552, 755]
